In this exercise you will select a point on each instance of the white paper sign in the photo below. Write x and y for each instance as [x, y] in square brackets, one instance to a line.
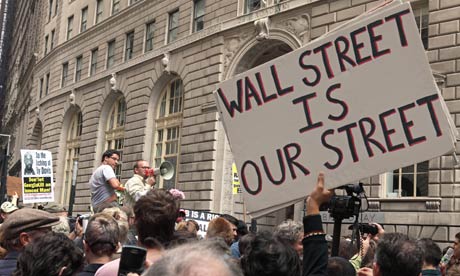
[202, 218]
[357, 102]
[37, 176]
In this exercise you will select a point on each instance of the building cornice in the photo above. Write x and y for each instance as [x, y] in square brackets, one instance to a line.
[180, 43]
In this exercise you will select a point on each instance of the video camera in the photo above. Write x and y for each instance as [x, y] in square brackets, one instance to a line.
[342, 207]
[345, 206]
[366, 228]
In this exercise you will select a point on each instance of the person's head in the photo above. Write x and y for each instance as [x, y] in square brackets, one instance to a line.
[192, 226]
[101, 236]
[63, 226]
[182, 237]
[431, 252]
[244, 243]
[28, 160]
[204, 258]
[347, 248]
[241, 229]
[368, 259]
[129, 213]
[220, 228]
[291, 232]
[397, 254]
[456, 246]
[338, 266]
[52, 255]
[25, 226]
[181, 226]
[122, 221]
[233, 221]
[111, 157]
[6, 209]
[267, 255]
[155, 217]
[140, 167]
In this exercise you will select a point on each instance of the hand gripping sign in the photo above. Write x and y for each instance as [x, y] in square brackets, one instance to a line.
[357, 102]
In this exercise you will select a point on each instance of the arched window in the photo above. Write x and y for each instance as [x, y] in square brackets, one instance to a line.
[115, 130]
[168, 128]
[72, 153]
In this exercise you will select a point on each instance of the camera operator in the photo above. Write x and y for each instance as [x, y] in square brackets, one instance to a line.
[370, 232]
[139, 184]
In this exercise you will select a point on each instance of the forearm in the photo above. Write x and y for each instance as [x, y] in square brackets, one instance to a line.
[315, 253]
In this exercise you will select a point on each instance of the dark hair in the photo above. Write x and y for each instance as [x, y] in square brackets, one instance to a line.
[457, 236]
[230, 219]
[108, 153]
[338, 266]
[368, 259]
[241, 228]
[182, 237]
[267, 255]
[156, 214]
[102, 235]
[48, 255]
[244, 242]
[431, 251]
[397, 254]
[347, 248]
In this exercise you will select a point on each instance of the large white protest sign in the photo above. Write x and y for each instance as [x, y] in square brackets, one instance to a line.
[357, 102]
[37, 176]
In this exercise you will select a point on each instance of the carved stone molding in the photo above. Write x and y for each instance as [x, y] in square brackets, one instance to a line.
[374, 205]
[72, 97]
[166, 62]
[113, 82]
[433, 206]
[300, 26]
[232, 45]
[262, 28]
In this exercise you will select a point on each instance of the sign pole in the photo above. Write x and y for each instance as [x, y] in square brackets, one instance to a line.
[73, 188]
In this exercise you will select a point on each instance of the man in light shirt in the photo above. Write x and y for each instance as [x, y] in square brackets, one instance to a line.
[139, 184]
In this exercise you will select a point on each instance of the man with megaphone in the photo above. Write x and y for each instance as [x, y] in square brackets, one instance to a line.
[140, 183]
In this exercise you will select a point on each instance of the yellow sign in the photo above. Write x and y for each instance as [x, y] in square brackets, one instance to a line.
[235, 180]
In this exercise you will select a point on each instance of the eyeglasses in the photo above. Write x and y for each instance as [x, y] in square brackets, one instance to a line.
[145, 167]
[114, 158]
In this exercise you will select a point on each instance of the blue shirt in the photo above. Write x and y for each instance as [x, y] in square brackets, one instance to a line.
[8, 264]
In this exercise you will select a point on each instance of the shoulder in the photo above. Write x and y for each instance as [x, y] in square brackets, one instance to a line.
[109, 269]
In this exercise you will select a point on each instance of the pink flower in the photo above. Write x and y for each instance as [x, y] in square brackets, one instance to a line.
[177, 194]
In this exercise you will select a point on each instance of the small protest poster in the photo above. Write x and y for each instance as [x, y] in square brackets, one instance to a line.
[37, 176]
[359, 101]
[235, 180]
[202, 218]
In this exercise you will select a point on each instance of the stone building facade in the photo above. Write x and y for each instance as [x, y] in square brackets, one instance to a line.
[139, 76]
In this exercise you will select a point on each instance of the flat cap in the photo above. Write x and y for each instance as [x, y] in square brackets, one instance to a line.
[24, 220]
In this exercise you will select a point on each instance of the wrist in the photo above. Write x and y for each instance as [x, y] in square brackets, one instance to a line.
[312, 207]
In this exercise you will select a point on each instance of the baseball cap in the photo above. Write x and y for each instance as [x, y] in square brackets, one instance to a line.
[8, 207]
[24, 220]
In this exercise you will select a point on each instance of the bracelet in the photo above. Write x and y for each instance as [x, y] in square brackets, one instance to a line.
[315, 233]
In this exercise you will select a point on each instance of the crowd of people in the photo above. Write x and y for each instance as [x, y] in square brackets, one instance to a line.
[46, 242]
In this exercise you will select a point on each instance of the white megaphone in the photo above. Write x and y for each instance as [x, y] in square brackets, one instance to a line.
[166, 170]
